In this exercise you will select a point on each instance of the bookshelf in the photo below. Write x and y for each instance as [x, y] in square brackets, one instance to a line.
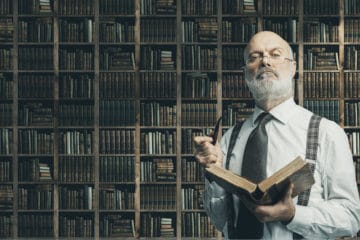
[99, 101]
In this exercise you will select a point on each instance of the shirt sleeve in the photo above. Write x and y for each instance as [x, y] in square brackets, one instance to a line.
[216, 198]
[337, 213]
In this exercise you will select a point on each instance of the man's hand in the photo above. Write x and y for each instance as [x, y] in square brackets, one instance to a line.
[283, 210]
[207, 153]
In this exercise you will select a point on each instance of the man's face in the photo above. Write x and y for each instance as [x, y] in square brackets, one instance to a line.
[269, 69]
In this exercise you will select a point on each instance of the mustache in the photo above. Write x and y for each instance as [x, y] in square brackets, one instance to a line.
[266, 69]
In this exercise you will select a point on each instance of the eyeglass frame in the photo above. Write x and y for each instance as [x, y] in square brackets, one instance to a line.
[261, 58]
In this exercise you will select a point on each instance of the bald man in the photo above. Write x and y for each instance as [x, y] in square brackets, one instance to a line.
[333, 208]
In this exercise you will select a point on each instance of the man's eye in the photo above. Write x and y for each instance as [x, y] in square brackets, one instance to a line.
[253, 58]
[275, 55]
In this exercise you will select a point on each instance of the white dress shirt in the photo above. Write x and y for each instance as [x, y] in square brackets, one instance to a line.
[334, 206]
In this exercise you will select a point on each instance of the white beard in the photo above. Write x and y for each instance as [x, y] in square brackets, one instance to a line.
[269, 90]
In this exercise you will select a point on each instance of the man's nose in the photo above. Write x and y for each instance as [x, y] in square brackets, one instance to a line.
[266, 61]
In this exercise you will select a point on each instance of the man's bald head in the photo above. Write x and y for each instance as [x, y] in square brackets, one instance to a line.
[266, 37]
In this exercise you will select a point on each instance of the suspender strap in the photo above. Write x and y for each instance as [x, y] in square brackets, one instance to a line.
[312, 144]
[233, 138]
[230, 203]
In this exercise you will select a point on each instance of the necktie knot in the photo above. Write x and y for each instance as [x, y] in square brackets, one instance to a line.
[264, 118]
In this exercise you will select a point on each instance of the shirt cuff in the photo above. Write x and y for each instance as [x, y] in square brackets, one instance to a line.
[214, 189]
[302, 221]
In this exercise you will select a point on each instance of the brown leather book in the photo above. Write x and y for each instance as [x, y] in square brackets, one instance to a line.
[271, 189]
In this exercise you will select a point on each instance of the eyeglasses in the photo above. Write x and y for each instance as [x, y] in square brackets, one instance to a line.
[254, 60]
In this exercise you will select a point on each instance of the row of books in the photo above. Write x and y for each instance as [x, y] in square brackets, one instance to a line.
[238, 7]
[357, 170]
[320, 30]
[73, 226]
[187, 136]
[117, 226]
[280, 7]
[34, 170]
[155, 7]
[35, 6]
[6, 7]
[35, 225]
[36, 85]
[157, 226]
[5, 170]
[321, 58]
[37, 58]
[153, 197]
[38, 30]
[236, 112]
[76, 30]
[202, 7]
[112, 113]
[191, 171]
[354, 140]
[6, 141]
[74, 86]
[325, 108]
[5, 114]
[321, 7]
[199, 85]
[199, 58]
[351, 30]
[36, 114]
[192, 197]
[158, 142]
[6, 29]
[76, 142]
[6, 197]
[112, 198]
[238, 30]
[351, 7]
[118, 141]
[352, 114]
[197, 225]
[117, 30]
[6, 58]
[352, 84]
[76, 169]
[157, 114]
[76, 114]
[157, 58]
[75, 59]
[234, 86]
[198, 114]
[115, 7]
[120, 84]
[158, 30]
[321, 84]
[286, 28]
[158, 84]
[158, 169]
[351, 58]
[6, 221]
[76, 197]
[35, 141]
[117, 58]
[233, 58]
[38, 197]
[76, 7]
[6, 86]
[117, 169]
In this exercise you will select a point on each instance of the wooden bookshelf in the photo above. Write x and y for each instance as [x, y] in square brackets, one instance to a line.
[118, 61]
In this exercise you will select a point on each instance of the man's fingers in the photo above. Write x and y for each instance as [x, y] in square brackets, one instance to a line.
[289, 191]
[198, 140]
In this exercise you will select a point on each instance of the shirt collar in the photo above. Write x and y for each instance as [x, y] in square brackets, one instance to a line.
[281, 112]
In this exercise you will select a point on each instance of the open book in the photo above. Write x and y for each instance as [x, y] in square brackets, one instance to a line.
[271, 189]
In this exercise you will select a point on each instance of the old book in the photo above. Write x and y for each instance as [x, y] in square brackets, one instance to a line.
[271, 189]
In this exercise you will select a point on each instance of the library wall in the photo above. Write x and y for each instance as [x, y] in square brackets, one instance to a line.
[100, 100]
